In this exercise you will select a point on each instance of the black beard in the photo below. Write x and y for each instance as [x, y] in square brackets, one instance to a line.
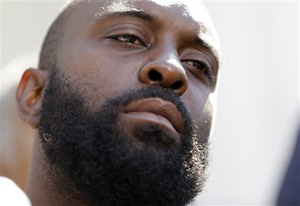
[101, 164]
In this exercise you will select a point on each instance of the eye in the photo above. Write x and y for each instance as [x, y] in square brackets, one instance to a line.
[128, 39]
[199, 66]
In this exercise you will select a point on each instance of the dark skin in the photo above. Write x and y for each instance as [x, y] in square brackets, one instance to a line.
[108, 54]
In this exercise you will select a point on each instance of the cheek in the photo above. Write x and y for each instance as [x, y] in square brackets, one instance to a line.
[201, 108]
[97, 75]
[205, 122]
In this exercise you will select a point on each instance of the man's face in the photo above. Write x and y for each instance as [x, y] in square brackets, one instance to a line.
[109, 54]
[129, 103]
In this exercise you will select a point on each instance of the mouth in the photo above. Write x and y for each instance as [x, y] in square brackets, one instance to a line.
[155, 111]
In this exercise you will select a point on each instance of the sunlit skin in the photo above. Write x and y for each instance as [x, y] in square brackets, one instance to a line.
[111, 48]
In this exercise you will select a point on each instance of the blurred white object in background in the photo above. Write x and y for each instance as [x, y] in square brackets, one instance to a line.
[11, 194]
[16, 136]
[258, 100]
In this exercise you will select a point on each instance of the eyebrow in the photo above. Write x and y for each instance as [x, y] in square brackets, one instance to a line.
[131, 13]
[199, 41]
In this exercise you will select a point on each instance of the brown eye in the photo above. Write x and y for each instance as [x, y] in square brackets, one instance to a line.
[199, 66]
[129, 39]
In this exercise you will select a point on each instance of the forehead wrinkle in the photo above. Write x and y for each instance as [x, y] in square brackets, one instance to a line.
[109, 7]
[120, 6]
[131, 13]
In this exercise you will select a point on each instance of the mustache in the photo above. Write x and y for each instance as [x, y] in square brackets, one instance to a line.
[128, 97]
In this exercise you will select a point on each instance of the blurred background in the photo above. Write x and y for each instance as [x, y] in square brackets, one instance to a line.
[258, 103]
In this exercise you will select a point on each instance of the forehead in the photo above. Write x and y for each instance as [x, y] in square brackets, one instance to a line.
[187, 14]
[184, 8]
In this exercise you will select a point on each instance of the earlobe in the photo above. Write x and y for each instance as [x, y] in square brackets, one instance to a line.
[29, 96]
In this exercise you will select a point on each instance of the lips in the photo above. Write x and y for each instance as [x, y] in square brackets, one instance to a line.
[156, 111]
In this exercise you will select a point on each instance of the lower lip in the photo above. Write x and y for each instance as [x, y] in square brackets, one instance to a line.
[148, 117]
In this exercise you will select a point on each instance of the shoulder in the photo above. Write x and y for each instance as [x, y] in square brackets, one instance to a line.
[11, 194]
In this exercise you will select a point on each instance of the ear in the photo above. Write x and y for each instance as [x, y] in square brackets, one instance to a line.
[29, 96]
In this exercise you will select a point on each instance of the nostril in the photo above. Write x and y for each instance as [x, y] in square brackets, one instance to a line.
[176, 85]
[154, 75]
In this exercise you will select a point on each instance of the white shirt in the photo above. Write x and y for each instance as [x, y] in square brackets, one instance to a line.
[11, 194]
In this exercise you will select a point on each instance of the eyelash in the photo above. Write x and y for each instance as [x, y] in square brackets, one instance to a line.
[128, 36]
[199, 66]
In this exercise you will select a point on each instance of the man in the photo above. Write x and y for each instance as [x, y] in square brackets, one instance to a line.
[123, 103]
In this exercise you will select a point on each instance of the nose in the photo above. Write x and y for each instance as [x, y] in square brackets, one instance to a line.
[167, 72]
